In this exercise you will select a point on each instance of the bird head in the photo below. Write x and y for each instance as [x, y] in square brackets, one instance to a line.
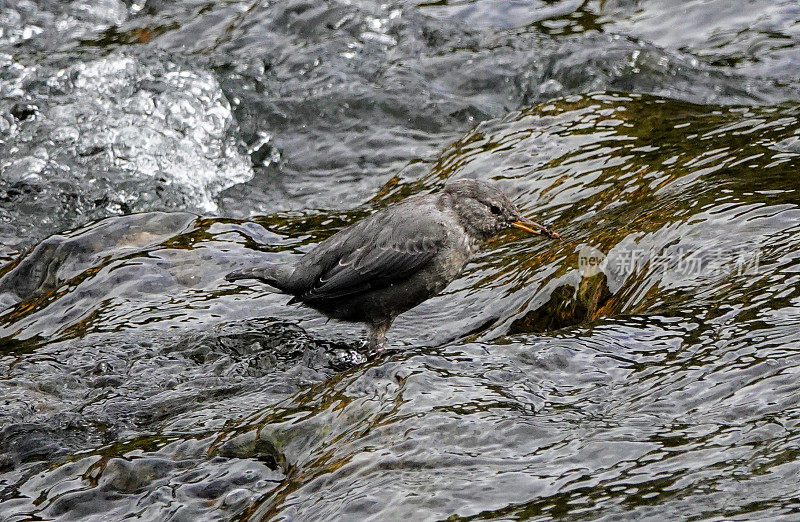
[484, 211]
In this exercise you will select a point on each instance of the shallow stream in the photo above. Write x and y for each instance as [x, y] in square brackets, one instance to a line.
[645, 367]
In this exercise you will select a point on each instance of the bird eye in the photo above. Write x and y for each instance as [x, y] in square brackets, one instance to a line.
[495, 210]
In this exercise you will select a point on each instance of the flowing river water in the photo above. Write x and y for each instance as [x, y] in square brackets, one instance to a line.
[645, 367]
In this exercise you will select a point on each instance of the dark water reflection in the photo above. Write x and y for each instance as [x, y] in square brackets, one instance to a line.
[136, 380]
[149, 147]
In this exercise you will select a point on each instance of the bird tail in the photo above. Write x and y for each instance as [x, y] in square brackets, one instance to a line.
[277, 275]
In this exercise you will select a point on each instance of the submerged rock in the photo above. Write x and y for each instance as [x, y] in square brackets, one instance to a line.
[63, 257]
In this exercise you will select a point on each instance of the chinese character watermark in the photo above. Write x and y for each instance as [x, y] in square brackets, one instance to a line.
[677, 262]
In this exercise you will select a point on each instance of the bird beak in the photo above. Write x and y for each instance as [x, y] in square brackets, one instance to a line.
[534, 228]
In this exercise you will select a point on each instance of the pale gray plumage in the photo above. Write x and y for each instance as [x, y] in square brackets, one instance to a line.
[397, 258]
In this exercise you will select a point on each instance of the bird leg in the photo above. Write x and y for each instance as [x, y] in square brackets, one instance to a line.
[376, 338]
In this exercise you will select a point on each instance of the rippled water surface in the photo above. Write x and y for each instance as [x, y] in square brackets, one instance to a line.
[645, 367]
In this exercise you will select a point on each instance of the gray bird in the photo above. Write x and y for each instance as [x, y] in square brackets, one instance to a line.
[395, 259]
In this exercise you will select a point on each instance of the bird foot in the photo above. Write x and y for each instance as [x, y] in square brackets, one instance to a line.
[374, 351]
[376, 340]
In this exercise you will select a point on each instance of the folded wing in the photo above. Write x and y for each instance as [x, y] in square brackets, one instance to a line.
[373, 254]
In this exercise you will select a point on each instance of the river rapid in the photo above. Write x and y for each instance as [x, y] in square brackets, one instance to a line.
[646, 367]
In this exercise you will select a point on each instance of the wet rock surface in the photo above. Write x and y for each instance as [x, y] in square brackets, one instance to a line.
[644, 367]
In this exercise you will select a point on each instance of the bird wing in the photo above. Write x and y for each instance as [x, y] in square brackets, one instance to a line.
[377, 252]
